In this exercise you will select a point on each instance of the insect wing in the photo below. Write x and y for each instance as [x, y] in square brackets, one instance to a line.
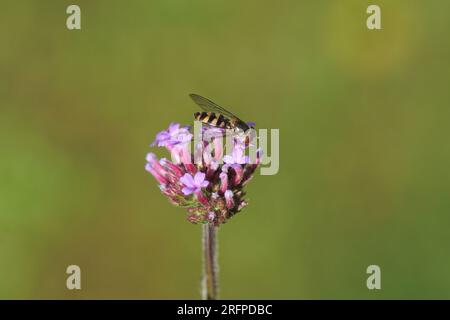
[210, 106]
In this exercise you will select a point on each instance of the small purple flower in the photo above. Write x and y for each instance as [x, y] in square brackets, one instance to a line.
[237, 157]
[174, 135]
[193, 184]
[236, 161]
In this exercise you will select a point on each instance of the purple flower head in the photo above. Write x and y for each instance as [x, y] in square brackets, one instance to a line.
[193, 184]
[211, 190]
[174, 135]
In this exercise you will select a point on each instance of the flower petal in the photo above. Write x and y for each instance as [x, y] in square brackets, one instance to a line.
[187, 191]
[173, 127]
[184, 137]
[204, 184]
[188, 181]
[199, 178]
[228, 159]
[151, 157]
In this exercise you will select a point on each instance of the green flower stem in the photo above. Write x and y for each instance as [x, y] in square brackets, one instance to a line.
[210, 268]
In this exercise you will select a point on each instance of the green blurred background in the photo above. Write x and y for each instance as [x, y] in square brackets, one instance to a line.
[364, 153]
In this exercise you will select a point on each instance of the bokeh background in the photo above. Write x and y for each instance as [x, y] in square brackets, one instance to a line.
[364, 153]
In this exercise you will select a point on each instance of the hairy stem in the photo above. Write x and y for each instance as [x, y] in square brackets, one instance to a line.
[210, 268]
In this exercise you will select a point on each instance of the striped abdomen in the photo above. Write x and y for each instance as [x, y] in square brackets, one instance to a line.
[213, 119]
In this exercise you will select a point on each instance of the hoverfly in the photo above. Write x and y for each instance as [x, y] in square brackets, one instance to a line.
[216, 116]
